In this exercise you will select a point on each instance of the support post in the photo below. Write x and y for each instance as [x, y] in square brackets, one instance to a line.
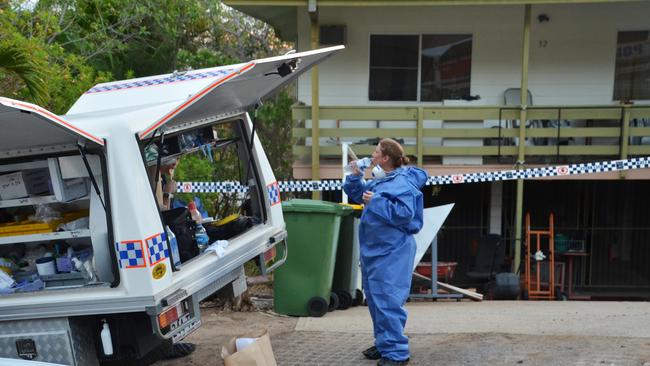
[625, 136]
[344, 155]
[519, 205]
[315, 108]
[420, 145]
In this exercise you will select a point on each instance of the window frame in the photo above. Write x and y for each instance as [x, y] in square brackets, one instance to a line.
[239, 124]
[419, 71]
[417, 94]
[618, 33]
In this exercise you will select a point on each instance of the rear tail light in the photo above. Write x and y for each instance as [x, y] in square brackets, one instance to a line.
[169, 316]
[269, 255]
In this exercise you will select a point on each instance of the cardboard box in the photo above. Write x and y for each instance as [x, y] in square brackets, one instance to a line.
[24, 183]
[257, 352]
[67, 189]
[73, 166]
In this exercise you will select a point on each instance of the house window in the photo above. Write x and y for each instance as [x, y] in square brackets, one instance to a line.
[632, 76]
[420, 67]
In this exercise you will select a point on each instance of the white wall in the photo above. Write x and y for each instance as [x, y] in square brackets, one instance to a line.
[575, 67]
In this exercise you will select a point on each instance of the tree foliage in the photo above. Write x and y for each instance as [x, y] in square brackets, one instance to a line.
[274, 124]
[23, 63]
[37, 70]
[52, 51]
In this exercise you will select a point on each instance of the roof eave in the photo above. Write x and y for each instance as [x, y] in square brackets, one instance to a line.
[282, 14]
[324, 3]
[283, 18]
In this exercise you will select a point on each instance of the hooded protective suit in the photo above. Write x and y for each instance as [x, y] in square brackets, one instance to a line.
[387, 251]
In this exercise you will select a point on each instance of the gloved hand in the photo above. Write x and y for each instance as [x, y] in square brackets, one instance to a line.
[367, 196]
[358, 167]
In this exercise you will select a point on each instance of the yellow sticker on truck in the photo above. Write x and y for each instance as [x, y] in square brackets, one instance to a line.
[159, 271]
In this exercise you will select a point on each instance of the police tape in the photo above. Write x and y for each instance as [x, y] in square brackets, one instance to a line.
[493, 176]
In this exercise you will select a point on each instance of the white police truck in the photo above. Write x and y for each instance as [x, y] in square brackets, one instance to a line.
[88, 210]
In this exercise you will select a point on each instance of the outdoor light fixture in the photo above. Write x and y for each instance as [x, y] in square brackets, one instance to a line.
[286, 68]
[311, 6]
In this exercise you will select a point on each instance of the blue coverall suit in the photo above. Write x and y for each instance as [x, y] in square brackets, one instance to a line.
[387, 251]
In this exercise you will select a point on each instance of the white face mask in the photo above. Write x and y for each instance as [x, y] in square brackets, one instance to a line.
[378, 172]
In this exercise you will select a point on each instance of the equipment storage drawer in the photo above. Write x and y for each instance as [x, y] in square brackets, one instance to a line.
[58, 340]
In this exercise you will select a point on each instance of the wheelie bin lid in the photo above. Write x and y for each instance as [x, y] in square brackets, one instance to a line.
[315, 206]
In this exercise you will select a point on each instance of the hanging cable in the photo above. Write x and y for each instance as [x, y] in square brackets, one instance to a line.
[250, 143]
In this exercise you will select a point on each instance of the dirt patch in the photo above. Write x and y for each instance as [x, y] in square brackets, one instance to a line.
[258, 297]
[219, 326]
[224, 318]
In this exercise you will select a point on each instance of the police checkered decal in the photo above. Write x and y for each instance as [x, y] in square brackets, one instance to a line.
[157, 248]
[532, 173]
[130, 254]
[161, 81]
[274, 193]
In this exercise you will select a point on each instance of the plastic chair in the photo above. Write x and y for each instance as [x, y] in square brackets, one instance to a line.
[489, 259]
[512, 97]
[640, 140]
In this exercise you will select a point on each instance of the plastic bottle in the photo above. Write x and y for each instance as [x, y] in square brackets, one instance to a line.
[200, 234]
[202, 238]
[79, 266]
[194, 212]
[362, 164]
[107, 342]
[173, 243]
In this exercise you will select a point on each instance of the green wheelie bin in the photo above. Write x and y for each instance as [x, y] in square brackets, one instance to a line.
[346, 269]
[303, 284]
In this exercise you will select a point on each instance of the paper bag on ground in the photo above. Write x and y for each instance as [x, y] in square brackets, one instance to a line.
[257, 352]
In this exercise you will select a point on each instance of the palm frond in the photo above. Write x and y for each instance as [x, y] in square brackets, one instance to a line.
[21, 61]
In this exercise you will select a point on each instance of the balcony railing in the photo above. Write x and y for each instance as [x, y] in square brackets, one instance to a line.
[490, 132]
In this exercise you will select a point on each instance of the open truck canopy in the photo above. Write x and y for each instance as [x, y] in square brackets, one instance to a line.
[192, 98]
[28, 126]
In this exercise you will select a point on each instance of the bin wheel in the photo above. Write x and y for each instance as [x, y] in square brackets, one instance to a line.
[345, 300]
[316, 307]
[334, 302]
[358, 298]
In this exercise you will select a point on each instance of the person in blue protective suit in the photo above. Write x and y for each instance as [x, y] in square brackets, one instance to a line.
[392, 214]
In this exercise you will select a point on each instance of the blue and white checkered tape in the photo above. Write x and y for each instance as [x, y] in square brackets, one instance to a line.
[310, 185]
[502, 175]
[211, 187]
[153, 82]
